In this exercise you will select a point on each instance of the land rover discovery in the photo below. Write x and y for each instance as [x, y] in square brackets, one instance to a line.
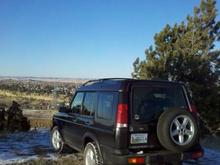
[128, 121]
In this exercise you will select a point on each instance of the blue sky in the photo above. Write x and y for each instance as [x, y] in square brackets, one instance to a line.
[81, 38]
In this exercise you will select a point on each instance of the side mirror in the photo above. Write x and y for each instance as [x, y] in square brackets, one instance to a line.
[63, 109]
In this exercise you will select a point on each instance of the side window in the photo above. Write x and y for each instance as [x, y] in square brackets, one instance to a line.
[76, 104]
[106, 104]
[89, 104]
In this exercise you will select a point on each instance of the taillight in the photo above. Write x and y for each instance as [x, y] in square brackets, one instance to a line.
[122, 116]
[138, 160]
[197, 154]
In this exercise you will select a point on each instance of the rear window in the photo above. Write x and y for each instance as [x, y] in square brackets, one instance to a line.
[149, 102]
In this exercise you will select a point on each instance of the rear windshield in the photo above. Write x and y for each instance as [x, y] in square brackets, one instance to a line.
[149, 102]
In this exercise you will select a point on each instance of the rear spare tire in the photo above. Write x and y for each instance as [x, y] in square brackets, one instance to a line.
[177, 130]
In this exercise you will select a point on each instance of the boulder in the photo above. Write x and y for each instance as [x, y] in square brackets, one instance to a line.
[16, 121]
[2, 118]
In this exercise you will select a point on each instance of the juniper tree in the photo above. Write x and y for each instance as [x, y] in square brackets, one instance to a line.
[186, 52]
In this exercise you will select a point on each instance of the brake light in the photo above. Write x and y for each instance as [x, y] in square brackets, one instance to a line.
[122, 116]
[138, 160]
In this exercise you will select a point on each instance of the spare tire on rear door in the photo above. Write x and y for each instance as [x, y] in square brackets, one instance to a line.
[177, 130]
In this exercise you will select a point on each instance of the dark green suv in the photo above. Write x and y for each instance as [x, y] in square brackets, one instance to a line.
[127, 121]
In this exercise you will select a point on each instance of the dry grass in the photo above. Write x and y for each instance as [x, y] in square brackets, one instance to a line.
[40, 123]
[39, 113]
[39, 118]
[73, 159]
[31, 101]
[34, 96]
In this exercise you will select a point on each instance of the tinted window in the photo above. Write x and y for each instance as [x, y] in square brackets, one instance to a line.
[76, 105]
[150, 102]
[106, 105]
[89, 103]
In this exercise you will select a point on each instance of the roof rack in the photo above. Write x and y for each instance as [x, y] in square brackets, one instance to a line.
[104, 79]
[90, 81]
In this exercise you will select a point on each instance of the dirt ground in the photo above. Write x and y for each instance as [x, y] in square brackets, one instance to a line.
[34, 148]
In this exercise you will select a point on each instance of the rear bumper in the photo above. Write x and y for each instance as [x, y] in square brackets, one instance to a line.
[159, 157]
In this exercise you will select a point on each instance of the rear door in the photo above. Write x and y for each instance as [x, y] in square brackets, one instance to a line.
[148, 102]
[105, 117]
[85, 120]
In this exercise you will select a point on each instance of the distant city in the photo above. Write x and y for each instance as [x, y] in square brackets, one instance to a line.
[48, 79]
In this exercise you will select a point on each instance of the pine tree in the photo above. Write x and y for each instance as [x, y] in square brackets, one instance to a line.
[186, 53]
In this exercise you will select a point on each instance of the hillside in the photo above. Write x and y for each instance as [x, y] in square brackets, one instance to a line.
[37, 93]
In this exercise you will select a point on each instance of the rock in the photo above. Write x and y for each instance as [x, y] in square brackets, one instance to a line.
[16, 121]
[2, 118]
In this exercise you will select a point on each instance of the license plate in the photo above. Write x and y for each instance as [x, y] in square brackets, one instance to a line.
[139, 138]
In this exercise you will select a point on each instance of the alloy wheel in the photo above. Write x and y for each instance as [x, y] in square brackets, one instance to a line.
[182, 130]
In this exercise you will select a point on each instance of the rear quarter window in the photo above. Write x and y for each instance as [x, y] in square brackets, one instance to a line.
[106, 105]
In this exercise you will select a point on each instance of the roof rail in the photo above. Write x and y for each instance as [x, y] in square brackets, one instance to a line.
[90, 81]
[104, 79]
[115, 78]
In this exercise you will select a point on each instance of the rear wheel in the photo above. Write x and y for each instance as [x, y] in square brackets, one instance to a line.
[91, 155]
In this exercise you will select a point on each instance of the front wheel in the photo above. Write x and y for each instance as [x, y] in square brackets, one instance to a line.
[91, 155]
[56, 140]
